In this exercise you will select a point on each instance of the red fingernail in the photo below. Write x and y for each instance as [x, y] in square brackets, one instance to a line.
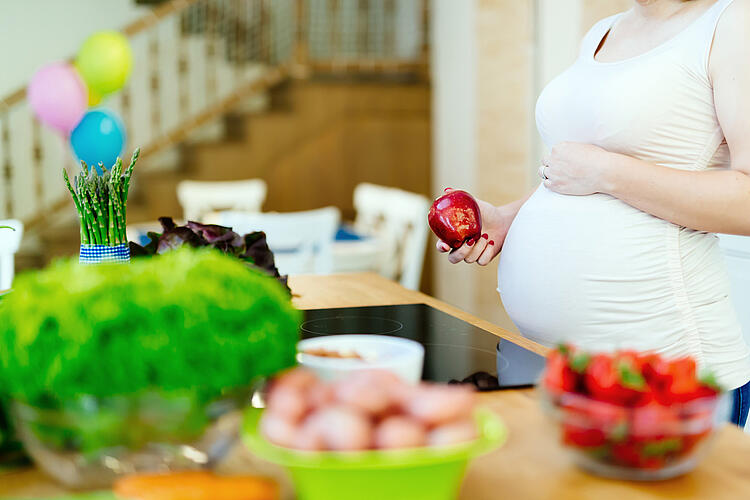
[491, 242]
[470, 242]
[447, 189]
[485, 236]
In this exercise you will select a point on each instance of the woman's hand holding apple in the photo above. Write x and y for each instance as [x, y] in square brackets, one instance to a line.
[482, 249]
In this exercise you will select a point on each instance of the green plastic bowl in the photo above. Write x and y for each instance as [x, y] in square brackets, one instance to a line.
[408, 474]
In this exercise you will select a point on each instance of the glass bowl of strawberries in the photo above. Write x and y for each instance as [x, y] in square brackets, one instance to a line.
[631, 415]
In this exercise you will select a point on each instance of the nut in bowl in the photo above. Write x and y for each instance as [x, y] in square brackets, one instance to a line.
[371, 436]
[335, 356]
[633, 416]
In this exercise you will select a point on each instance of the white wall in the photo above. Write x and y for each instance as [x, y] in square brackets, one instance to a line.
[453, 64]
[34, 32]
[557, 44]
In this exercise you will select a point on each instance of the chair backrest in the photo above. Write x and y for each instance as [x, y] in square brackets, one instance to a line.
[200, 198]
[399, 219]
[302, 242]
[9, 243]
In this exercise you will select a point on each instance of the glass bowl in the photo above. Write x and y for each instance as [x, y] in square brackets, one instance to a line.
[89, 442]
[650, 442]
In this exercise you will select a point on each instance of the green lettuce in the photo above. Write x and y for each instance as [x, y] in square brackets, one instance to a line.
[188, 319]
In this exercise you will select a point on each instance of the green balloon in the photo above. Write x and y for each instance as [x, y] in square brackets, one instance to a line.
[104, 62]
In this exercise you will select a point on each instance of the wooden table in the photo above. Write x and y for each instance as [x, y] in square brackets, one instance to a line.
[531, 465]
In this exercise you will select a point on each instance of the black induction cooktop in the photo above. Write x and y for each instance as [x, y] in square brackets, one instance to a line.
[455, 351]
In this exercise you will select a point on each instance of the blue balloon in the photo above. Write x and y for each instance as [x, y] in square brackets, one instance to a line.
[99, 137]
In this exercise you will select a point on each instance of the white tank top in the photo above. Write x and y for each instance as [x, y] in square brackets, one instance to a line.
[599, 273]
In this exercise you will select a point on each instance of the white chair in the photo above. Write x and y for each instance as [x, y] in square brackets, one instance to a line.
[399, 219]
[302, 242]
[200, 198]
[10, 241]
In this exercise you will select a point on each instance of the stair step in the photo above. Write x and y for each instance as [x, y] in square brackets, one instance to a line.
[332, 96]
[138, 212]
[60, 241]
[314, 143]
[159, 197]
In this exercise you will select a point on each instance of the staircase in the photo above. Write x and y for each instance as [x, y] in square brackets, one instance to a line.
[282, 90]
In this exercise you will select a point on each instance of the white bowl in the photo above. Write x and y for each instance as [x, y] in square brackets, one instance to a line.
[402, 357]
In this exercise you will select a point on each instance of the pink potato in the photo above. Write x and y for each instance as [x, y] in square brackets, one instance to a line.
[288, 402]
[403, 393]
[367, 410]
[278, 430]
[400, 432]
[377, 377]
[400, 391]
[453, 433]
[435, 404]
[310, 436]
[320, 395]
[343, 428]
[298, 378]
[361, 394]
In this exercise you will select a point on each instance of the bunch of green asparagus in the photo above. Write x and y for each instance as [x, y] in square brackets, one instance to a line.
[101, 201]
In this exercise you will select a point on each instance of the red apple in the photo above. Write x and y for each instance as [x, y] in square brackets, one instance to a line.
[455, 218]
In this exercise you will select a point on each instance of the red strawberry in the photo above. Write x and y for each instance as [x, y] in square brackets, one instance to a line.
[583, 437]
[626, 454]
[656, 371]
[635, 455]
[684, 384]
[559, 377]
[653, 421]
[616, 381]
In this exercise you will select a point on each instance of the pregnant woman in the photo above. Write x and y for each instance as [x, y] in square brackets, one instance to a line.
[649, 137]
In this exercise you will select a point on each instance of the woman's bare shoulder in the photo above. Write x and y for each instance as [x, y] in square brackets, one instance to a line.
[734, 20]
[731, 43]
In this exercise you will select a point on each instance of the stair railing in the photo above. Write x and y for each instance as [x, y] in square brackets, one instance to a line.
[195, 60]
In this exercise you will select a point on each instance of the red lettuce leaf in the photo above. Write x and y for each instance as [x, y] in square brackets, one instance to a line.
[251, 248]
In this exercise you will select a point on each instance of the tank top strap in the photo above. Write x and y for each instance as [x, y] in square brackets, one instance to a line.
[718, 9]
[710, 19]
[703, 36]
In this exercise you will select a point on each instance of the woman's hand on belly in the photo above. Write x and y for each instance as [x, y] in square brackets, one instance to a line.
[575, 169]
[495, 224]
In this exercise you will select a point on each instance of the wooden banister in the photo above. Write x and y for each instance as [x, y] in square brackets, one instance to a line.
[238, 37]
[137, 26]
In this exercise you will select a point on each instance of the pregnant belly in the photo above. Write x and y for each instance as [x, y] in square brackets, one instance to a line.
[597, 272]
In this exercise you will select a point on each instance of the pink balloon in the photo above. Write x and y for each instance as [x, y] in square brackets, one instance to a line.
[58, 96]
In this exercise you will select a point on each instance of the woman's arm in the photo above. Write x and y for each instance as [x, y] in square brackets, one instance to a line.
[714, 201]
[717, 200]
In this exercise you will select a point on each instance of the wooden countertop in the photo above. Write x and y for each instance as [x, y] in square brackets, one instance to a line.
[531, 465]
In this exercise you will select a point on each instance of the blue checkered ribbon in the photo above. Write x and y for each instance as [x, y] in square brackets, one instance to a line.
[97, 254]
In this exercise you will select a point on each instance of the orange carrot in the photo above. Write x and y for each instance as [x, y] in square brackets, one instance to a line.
[195, 486]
